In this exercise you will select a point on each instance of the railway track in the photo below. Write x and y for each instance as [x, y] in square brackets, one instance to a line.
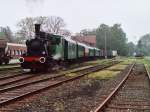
[8, 79]
[17, 78]
[5, 73]
[131, 95]
[21, 90]
[20, 78]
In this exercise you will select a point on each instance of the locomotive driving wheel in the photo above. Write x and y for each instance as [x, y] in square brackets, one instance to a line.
[33, 70]
[6, 62]
[1, 62]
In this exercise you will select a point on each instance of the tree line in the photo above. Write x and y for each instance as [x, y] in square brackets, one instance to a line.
[113, 37]
[25, 26]
[143, 45]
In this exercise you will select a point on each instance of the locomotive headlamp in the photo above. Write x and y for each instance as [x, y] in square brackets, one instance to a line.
[21, 59]
[43, 52]
[42, 60]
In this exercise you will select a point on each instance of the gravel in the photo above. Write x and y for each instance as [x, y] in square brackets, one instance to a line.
[81, 95]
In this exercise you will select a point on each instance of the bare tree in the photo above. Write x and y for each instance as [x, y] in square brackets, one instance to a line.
[65, 32]
[50, 24]
[54, 24]
[26, 27]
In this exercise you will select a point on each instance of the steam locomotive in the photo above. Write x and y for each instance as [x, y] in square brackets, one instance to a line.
[46, 50]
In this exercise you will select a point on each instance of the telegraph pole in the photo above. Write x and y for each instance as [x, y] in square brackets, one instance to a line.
[105, 46]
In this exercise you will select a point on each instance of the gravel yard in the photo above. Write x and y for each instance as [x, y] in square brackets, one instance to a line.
[78, 96]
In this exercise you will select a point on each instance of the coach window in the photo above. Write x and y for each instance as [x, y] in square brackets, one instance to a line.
[14, 52]
[10, 52]
[20, 52]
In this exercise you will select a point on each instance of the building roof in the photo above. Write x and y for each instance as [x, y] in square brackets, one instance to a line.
[89, 39]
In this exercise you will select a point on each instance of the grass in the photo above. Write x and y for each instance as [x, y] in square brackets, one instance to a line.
[109, 73]
[118, 67]
[127, 61]
[76, 69]
[145, 61]
[90, 64]
[71, 74]
[105, 74]
[59, 106]
[99, 61]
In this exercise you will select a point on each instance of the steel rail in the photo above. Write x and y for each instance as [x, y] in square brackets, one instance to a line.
[40, 80]
[9, 68]
[148, 74]
[12, 76]
[104, 103]
[18, 80]
[55, 84]
[28, 83]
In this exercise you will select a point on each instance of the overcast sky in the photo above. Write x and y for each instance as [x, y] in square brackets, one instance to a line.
[134, 15]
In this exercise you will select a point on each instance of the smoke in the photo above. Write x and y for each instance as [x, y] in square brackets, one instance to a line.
[57, 56]
[34, 6]
[34, 1]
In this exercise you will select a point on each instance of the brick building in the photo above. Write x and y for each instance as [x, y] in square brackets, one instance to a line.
[89, 39]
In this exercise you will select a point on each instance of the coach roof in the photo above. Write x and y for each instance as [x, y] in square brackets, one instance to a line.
[69, 39]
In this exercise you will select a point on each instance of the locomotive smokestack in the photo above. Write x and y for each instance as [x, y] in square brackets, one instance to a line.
[37, 30]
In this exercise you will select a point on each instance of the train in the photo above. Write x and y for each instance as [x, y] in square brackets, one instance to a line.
[10, 51]
[47, 50]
